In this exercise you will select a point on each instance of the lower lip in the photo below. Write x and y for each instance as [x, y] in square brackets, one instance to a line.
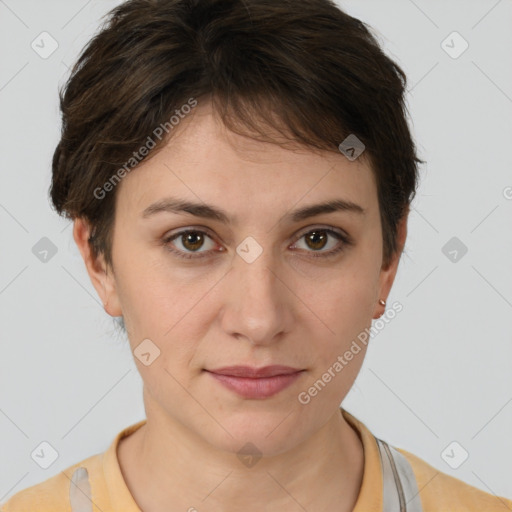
[257, 388]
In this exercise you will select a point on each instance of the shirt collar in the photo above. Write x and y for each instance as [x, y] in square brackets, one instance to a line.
[369, 498]
[370, 495]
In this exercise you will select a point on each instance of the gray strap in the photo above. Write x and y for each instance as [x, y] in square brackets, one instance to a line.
[80, 491]
[400, 492]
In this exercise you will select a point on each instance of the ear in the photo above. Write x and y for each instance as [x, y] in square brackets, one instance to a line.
[388, 273]
[100, 274]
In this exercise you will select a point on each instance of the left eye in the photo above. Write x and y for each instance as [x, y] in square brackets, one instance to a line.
[317, 239]
[193, 240]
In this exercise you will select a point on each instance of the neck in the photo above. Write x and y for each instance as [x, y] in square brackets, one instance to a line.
[165, 463]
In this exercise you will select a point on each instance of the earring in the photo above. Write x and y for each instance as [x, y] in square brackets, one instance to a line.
[382, 302]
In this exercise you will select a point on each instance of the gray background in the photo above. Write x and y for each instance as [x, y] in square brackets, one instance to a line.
[439, 372]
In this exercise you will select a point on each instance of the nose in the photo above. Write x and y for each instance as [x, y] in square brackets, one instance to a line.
[258, 304]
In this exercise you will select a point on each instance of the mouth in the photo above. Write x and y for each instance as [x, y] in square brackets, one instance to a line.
[256, 383]
[253, 372]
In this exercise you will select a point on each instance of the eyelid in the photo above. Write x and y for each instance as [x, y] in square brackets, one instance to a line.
[301, 232]
[319, 227]
[344, 239]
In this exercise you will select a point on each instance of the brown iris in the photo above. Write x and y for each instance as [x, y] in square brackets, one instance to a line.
[315, 238]
[192, 240]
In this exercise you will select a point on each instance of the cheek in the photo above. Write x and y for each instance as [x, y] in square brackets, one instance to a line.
[346, 309]
[345, 304]
[147, 288]
[347, 298]
[158, 305]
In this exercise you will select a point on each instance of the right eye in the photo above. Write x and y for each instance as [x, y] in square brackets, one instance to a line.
[190, 240]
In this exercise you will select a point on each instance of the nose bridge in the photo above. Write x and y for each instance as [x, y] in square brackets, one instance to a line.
[259, 308]
[255, 268]
[254, 258]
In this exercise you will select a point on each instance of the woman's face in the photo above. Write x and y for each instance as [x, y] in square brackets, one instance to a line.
[258, 289]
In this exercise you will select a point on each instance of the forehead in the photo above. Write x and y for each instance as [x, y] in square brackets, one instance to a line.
[204, 161]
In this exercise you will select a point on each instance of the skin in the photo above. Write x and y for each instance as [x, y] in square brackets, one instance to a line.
[286, 307]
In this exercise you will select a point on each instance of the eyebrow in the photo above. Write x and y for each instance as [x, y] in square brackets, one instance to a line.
[175, 205]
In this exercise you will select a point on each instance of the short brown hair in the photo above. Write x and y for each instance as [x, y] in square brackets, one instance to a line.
[303, 66]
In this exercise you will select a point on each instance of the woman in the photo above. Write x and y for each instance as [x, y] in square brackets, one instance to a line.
[240, 176]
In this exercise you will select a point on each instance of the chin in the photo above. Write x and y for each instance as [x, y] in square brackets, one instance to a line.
[270, 431]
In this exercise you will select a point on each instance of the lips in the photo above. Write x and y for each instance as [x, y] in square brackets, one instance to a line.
[255, 373]
[256, 383]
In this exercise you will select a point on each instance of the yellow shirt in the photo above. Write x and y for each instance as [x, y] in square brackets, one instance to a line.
[438, 491]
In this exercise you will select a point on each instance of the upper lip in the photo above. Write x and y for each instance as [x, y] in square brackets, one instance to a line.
[252, 372]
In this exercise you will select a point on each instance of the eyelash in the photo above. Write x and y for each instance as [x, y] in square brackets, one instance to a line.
[346, 241]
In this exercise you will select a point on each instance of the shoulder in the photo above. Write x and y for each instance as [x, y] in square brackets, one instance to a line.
[52, 495]
[440, 491]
